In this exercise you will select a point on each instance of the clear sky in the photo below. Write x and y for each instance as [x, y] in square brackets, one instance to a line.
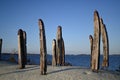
[75, 17]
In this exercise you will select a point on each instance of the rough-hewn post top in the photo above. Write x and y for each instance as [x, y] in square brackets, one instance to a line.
[40, 23]
[20, 31]
[90, 36]
[24, 32]
[54, 42]
[59, 27]
[0, 39]
[96, 15]
[95, 12]
[101, 20]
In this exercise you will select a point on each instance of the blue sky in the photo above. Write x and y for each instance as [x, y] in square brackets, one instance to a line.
[75, 17]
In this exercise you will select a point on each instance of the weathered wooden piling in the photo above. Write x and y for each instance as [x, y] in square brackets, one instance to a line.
[0, 47]
[105, 42]
[21, 56]
[63, 53]
[25, 46]
[43, 49]
[59, 45]
[91, 46]
[96, 43]
[54, 52]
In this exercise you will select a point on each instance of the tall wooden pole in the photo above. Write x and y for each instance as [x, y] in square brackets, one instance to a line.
[54, 52]
[43, 49]
[0, 47]
[96, 43]
[25, 46]
[59, 45]
[91, 46]
[105, 44]
[21, 56]
[63, 52]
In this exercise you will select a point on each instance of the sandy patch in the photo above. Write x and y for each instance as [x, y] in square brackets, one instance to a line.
[10, 71]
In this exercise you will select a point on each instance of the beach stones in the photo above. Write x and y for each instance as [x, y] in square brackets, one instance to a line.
[43, 49]
[99, 30]
[22, 54]
[0, 47]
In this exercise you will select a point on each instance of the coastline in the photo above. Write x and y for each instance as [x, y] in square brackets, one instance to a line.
[74, 60]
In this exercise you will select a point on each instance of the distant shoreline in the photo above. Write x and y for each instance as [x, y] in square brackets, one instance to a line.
[74, 60]
[65, 54]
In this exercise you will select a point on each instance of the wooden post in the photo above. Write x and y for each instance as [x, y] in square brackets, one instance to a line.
[54, 52]
[25, 46]
[91, 46]
[21, 56]
[96, 43]
[63, 53]
[0, 47]
[59, 45]
[105, 44]
[43, 49]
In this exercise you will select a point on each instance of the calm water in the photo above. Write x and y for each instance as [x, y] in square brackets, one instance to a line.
[75, 60]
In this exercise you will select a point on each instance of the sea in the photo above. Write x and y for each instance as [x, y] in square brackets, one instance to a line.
[81, 60]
